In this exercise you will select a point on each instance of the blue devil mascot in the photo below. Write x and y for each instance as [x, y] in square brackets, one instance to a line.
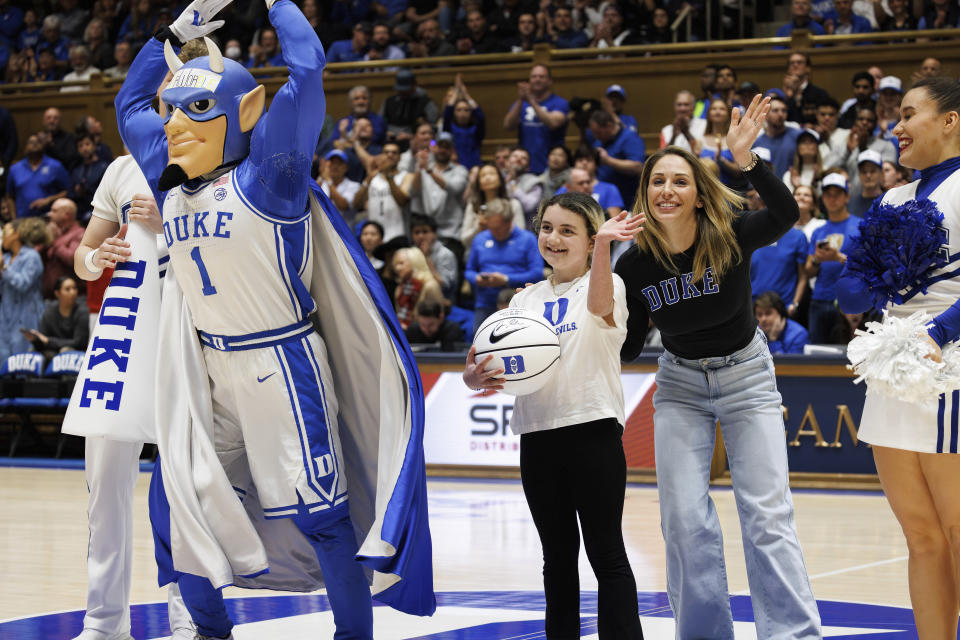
[289, 406]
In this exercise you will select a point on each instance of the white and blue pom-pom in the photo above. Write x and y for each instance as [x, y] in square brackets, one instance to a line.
[897, 247]
[891, 356]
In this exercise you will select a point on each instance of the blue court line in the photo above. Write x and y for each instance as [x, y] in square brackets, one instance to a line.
[53, 463]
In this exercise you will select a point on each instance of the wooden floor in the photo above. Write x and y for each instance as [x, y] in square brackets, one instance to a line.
[483, 540]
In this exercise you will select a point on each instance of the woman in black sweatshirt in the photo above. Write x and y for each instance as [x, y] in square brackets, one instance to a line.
[690, 274]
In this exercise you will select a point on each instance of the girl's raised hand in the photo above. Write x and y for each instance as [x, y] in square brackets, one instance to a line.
[621, 227]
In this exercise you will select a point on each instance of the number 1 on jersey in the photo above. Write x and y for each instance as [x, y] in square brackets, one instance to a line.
[208, 288]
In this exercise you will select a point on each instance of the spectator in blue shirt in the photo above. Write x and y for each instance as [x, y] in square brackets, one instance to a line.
[827, 255]
[501, 256]
[30, 33]
[783, 334]
[36, 181]
[361, 150]
[842, 20]
[11, 19]
[539, 115]
[617, 96]
[620, 154]
[351, 50]
[359, 108]
[561, 33]
[465, 121]
[781, 267]
[780, 139]
[800, 10]
[606, 195]
[55, 43]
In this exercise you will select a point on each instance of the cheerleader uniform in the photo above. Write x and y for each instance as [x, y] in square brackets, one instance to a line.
[888, 421]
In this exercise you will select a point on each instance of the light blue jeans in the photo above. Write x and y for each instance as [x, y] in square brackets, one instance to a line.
[739, 391]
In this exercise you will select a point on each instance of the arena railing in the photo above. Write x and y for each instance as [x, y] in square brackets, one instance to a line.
[651, 74]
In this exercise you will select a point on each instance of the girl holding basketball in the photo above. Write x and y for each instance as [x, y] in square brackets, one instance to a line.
[572, 463]
[690, 274]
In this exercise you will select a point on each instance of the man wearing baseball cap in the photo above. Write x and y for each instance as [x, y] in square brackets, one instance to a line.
[617, 96]
[828, 253]
[870, 172]
[407, 108]
[438, 187]
[351, 50]
[334, 182]
[889, 97]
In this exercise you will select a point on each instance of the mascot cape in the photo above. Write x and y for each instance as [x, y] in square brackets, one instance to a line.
[213, 534]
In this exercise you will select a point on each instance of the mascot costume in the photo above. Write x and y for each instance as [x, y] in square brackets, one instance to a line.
[289, 408]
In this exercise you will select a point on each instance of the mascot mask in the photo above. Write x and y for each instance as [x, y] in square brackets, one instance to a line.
[209, 109]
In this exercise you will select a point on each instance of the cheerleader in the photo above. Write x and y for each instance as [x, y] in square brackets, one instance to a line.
[572, 463]
[915, 445]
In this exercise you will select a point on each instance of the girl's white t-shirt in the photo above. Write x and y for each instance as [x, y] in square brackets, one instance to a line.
[587, 385]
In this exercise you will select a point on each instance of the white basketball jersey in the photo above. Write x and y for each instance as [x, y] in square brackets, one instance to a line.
[121, 181]
[241, 270]
[943, 285]
[587, 385]
[382, 208]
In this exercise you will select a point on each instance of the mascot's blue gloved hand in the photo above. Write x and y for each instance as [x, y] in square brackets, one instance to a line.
[194, 22]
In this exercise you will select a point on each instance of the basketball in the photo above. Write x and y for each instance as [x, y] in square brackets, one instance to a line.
[523, 344]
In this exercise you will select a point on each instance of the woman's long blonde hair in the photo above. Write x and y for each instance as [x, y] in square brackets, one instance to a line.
[715, 244]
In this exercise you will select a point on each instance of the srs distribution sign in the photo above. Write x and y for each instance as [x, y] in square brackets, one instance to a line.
[464, 427]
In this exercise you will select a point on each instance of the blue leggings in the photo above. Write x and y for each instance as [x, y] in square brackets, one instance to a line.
[347, 590]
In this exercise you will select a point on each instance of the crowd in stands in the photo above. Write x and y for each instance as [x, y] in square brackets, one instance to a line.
[72, 40]
[450, 231]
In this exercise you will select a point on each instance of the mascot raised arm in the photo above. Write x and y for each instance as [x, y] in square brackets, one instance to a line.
[289, 406]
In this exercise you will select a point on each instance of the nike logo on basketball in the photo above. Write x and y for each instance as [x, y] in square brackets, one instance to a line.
[496, 337]
[259, 379]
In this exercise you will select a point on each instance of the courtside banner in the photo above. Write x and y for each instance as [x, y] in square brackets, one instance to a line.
[464, 427]
[114, 394]
[822, 408]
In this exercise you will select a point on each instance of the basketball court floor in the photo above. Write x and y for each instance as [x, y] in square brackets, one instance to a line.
[487, 567]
